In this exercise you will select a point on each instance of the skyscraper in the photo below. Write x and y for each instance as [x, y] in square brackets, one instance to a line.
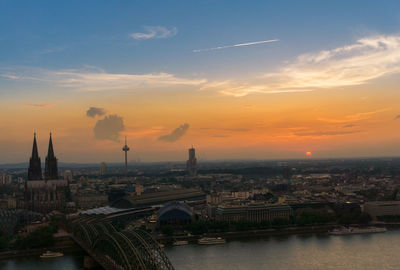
[191, 164]
[51, 168]
[126, 149]
[103, 168]
[35, 166]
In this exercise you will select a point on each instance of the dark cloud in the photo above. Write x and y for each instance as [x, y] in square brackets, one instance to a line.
[349, 125]
[324, 133]
[176, 134]
[109, 128]
[94, 111]
[220, 136]
[397, 117]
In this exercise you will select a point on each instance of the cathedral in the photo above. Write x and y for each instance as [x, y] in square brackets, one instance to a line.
[50, 193]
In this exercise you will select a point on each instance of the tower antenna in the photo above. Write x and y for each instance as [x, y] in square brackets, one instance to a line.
[126, 149]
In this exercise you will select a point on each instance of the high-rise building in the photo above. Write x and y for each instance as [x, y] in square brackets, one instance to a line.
[191, 164]
[49, 194]
[103, 168]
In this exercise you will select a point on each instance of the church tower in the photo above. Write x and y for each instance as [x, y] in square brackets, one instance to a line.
[35, 167]
[51, 169]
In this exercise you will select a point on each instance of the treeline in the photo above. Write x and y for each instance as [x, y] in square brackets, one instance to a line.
[41, 237]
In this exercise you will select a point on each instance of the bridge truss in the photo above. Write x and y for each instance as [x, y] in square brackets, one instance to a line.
[130, 249]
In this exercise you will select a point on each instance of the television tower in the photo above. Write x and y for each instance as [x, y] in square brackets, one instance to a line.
[126, 149]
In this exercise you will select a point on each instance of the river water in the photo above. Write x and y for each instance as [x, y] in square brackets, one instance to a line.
[301, 252]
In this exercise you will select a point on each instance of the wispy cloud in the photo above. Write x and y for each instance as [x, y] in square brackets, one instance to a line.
[397, 117]
[96, 79]
[53, 49]
[176, 134]
[354, 117]
[236, 45]
[42, 105]
[154, 32]
[350, 125]
[366, 59]
[325, 133]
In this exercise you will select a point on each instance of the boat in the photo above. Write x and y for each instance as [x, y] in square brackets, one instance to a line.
[181, 243]
[211, 241]
[357, 230]
[50, 254]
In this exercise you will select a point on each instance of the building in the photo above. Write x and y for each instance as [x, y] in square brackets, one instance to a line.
[160, 197]
[68, 176]
[191, 163]
[50, 193]
[252, 212]
[175, 214]
[382, 209]
[103, 168]
[90, 198]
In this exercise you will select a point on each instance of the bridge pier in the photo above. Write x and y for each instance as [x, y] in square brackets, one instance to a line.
[89, 263]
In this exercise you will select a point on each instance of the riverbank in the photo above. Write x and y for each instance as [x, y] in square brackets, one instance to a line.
[63, 244]
[251, 234]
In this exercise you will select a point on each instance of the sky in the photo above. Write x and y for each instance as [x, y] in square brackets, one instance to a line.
[235, 79]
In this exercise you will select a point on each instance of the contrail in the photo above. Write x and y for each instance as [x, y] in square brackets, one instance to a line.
[236, 45]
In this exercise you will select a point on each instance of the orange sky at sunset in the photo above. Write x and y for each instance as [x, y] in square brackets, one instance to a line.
[345, 122]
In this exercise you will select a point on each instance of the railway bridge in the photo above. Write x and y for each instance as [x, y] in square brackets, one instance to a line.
[113, 249]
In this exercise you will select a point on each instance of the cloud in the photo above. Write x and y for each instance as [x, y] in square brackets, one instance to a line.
[359, 63]
[176, 134]
[109, 128]
[155, 32]
[397, 117]
[53, 49]
[94, 111]
[355, 117]
[220, 136]
[236, 45]
[96, 79]
[236, 129]
[41, 105]
[324, 133]
[349, 125]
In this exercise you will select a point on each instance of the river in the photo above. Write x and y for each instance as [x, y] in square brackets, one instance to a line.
[301, 252]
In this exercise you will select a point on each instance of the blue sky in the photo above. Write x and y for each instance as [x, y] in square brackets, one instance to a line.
[71, 34]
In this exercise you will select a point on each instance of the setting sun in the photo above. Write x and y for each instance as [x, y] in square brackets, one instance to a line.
[308, 154]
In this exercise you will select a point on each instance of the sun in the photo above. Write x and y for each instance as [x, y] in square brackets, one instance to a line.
[308, 154]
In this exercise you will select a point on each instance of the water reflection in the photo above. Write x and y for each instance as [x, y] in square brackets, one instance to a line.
[34, 263]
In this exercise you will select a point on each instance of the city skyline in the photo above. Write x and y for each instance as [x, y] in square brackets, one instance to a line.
[237, 81]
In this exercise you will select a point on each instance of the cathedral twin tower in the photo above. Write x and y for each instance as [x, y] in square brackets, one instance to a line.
[50, 193]
[35, 167]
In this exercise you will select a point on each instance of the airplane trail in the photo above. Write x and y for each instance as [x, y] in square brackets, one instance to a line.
[236, 45]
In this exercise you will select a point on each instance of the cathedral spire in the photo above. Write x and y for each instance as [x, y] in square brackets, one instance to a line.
[35, 167]
[51, 168]
[50, 152]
